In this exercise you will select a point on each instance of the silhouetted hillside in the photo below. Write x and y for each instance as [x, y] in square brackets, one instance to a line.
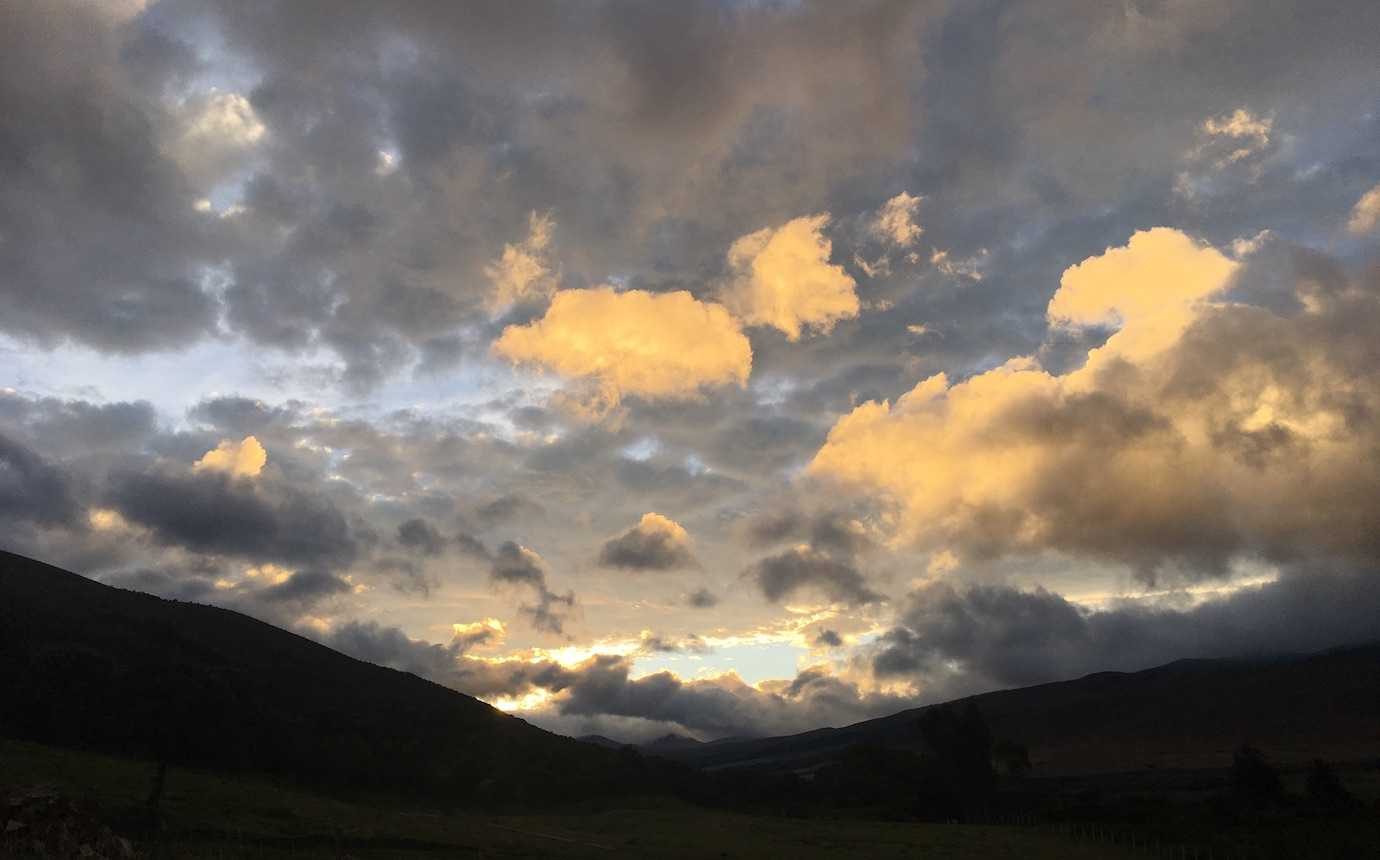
[86, 665]
[1190, 713]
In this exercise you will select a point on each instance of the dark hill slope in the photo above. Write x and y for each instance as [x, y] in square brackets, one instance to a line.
[1189, 714]
[84, 664]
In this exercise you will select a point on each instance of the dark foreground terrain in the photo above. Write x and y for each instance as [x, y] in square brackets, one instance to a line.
[210, 815]
[134, 726]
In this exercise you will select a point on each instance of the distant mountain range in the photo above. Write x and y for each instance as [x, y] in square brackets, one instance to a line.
[1186, 714]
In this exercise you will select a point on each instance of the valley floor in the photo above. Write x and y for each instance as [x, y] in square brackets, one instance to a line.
[216, 816]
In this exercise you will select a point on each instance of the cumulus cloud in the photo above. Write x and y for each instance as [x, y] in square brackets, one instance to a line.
[655, 543]
[242, 459]
[781, 277]
[210, 512]
[1198, 430]
[1366, 213]
[803, 568]
[652, 345]
[523, 272]
[514, 564]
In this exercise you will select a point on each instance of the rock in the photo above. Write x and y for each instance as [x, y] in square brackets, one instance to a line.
[41, 822]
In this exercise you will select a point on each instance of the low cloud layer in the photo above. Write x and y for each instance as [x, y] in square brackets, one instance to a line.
[958, 639]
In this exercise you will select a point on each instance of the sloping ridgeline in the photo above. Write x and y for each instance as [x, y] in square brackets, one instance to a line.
[1186, 714]
[86, 665]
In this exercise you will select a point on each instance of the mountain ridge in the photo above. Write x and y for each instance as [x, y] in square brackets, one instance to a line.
[116, 670]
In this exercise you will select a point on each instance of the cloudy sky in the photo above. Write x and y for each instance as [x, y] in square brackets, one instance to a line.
[724, 368]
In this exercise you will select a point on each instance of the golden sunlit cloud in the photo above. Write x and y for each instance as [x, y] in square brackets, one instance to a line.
[782, 277]
[1161, 433]
[490, 625]
[523, 271]
[652, 345]
[243, 459]
[269, 573]
[1248, 133]
[107, 520]
[655, 524]
[487, 631]
[895, 221]
[1365, 215]
[1150, 291]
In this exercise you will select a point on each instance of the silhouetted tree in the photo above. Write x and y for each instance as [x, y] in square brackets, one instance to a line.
[1253, 781]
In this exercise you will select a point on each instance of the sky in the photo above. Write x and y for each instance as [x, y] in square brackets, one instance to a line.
[717, 368]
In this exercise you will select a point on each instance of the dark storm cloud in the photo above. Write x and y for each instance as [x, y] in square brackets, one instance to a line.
[171, 583]
[100, 241]
[407, 575]
[242, 416]
[838, 533]
[828, 639]
[803, 569]
[445, 664]
[506, 508]
[34, 490]
[384, 266]
[212, 513]
[599, 115]
[765, 443]
[517, 565]
[652, 643]
[202, 581]
[999, 636]
[79, 427]
[389, 646]
[305, 587]
[653, 544]
[471, 546]
[701, 598]
[419, 536]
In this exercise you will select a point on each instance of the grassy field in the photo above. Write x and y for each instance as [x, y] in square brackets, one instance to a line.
[214, 816]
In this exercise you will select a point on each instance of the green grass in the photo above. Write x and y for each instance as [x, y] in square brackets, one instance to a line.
[217, 816]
